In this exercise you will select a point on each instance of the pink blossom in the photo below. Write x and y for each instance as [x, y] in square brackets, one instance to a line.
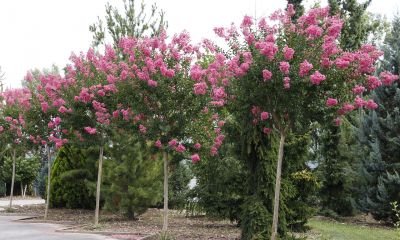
[158, 143]
[358, 89]
[266, 75]
[288, 53]
[44, 106]
[331, 102]
[305, 67]
[213, 151]
[388, 78]
[373, 82]
[90, 130]
[264, 116]
[314, 31]
[286, 82]
[180, 148]
[200, 88]
[247, 21]
[338, 121]
[197, 146]
[151, 83]
[57, 121]
[317, 78]
[359, 102]
[173, 142]
[371, 104]
[267, 130]
[115, 114]
[284, 67]
[340, 63]
[221, 123]
[63, 109]
[195, 158]
[142, 128]
[218, 93]
[268, 49]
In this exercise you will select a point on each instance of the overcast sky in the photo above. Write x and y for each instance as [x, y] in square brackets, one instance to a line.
[37, 34]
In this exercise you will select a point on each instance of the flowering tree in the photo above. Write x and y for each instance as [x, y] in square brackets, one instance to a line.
[166, 106]
[282, 76]
[91, 105]
[43, 117]
[13, 103]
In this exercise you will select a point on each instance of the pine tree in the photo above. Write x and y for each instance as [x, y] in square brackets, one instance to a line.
[379, 139]
[132, 178]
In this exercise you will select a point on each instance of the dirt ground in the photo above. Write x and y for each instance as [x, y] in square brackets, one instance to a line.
[150, 223]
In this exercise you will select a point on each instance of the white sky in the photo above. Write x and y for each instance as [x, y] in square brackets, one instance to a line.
[37, 34]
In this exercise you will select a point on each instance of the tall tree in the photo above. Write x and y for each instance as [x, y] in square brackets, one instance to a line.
[281, 82]
[337, 144]
[379, 139]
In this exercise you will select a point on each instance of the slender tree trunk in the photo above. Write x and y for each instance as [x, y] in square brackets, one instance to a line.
[48, 182]
[165, 213]
[96, 215]
[277, 188]
[26, 186]
[12, 178]
[22, 189]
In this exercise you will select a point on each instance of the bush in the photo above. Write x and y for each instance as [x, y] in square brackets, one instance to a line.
[256, 219]
[71, 176]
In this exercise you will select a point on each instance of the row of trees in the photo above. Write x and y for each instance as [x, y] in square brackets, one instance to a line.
[155, 98]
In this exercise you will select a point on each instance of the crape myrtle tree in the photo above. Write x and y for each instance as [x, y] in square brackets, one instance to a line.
[89, 103]
[171, 107]
[43, 117]
[379, 139]
[13, 104]
[337, 154]
[286, 75]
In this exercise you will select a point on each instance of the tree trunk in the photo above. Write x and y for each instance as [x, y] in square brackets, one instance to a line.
[277, 188]
[25, 188]
[165, 213]
[12, 178]
[22, 189]
[48, 182]
[96, 216]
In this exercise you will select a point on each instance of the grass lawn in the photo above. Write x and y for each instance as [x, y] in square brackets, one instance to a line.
[330, 230]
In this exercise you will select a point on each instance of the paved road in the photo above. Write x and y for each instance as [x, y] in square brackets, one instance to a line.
[21, 202]
[17, 230]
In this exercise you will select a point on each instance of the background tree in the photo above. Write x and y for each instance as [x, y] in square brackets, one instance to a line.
[26, 167]
[47, 104]
[130, 23]
[132, 177]
[379, 139]
[13, 103]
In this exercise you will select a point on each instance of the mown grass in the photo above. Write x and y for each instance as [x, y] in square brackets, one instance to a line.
[330, 230]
